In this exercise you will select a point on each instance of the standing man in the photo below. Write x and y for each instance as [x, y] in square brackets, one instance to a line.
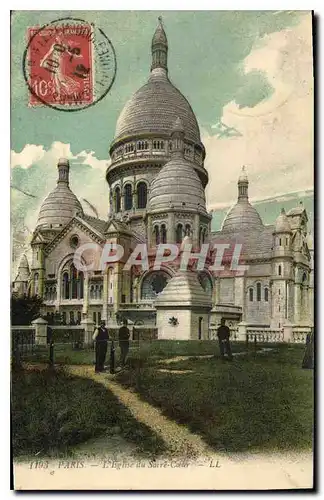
[101, 338]
[223, 334]
[123, 337]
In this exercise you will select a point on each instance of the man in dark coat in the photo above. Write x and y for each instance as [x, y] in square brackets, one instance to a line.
[223, 334]
[308, 360]
[101, 338]
[123, 337]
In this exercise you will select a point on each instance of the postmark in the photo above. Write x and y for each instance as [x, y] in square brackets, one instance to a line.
[68, 64]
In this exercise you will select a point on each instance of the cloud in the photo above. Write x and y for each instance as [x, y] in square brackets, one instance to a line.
[276, 143]
[30, 154]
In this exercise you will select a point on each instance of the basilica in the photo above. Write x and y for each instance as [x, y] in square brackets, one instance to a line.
[156, 194]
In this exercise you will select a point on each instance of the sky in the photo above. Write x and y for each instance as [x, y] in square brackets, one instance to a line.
[247, 74]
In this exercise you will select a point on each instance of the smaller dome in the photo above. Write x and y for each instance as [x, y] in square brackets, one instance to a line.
[23, 269]
[61, 205]
[177, 185]
[242, 216]
[282, 223]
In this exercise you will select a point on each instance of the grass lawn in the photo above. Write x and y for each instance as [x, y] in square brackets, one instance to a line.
[259, 401]
[52, 411]
[65, 354]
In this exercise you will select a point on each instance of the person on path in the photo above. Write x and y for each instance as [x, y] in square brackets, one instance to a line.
[101, 338]
[308, 360]
[223, 334]
[123, 337]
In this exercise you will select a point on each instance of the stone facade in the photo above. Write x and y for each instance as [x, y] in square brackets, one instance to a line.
[156, 194]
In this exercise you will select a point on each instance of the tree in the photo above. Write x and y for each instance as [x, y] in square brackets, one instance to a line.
[24, 309]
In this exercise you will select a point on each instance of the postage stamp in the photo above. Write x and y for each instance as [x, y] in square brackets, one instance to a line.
[68, 64]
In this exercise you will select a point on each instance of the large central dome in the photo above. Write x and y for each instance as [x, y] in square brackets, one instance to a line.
[155, 106]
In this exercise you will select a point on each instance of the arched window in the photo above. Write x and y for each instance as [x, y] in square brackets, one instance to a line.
[74, 282]
[79, 317]
[94, 317]
[162, 144]
[92, 295]
[279, 270]
[266, 294]
[258, 292]
[251, 294]
[280, 242]
[36, 277]
[287, 241]
[100, 291]
[117, 200]
[163, 234]
[187, 230]
[81, 285]
[156, 235]
[141, 195]
[65, 286]
[179, 233]
[128, 197]
[71, 317]
[64, 317]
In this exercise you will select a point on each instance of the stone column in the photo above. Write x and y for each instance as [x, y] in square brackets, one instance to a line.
[88, 326]
[242, 331]
[195, 234]
[288, 331]
[40, 325]
[85, 295]
[297, 303]
[171, 228]
[117, 285]
[104, 313]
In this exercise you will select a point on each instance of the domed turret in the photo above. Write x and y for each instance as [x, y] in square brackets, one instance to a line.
[61, 205]
[177, 185]
[23, 269]
[243, 215]
[282, 223]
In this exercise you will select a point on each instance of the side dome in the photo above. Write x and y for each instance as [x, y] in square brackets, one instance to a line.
[177, 185]
[61, 205]
[282, 223]
[243, 215]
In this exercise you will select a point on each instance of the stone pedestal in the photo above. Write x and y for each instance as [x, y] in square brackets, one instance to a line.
[242, 331]
[88, 326]
[40, 325]
[288, 332]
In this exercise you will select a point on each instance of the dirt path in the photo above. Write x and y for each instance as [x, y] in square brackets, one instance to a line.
[177, 437]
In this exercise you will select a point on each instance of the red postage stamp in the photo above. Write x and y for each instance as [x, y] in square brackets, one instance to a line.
[60, 64]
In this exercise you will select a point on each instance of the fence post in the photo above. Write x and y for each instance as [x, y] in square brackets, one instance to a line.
[51, 353]
[40, 325]
[88, 326]
[242, 331]
[288, 332]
